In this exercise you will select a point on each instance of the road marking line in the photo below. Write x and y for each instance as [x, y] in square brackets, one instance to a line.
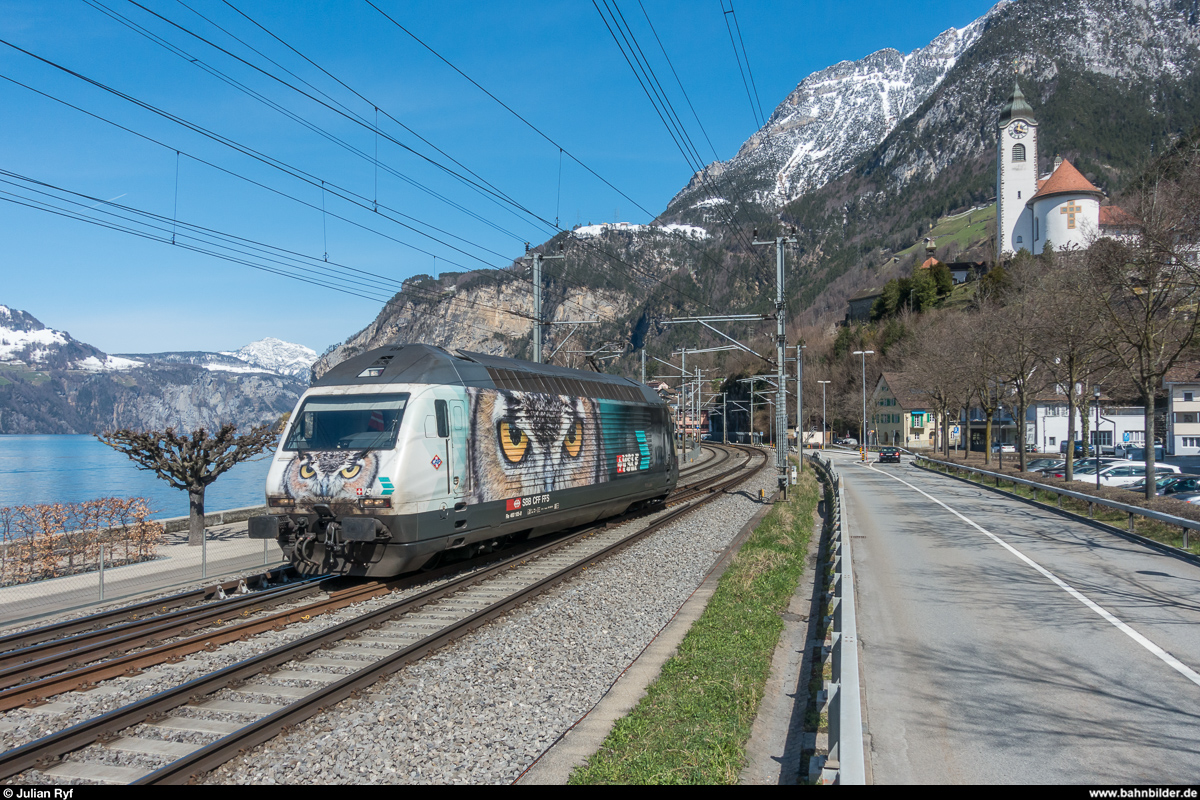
[1163, 655]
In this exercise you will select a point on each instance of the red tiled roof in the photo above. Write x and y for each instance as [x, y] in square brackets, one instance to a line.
[1065, 180]
[1115, 215]
[929, 262]
[1186, 372]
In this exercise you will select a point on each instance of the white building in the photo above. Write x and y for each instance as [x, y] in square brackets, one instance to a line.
[1183, 409]
[1062, 208]
[1046, 425]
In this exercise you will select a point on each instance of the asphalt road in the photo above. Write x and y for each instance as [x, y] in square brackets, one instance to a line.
[980, 667]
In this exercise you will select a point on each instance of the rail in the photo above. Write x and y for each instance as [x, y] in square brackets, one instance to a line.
[846, 761]
[1187, 525]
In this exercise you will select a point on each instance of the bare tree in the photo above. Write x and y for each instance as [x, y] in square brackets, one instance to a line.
[1148, 285]
[1015, 331]
[1069, 338]
[190, 462]
[935, 364]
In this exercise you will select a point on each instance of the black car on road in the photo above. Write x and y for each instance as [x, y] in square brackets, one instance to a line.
[889, 454]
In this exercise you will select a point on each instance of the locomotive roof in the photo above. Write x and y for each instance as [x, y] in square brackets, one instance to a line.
[423, 363]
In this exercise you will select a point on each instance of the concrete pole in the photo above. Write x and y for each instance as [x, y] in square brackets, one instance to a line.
[683, 392]
[800, 405]
[537, 307]
[781, 384]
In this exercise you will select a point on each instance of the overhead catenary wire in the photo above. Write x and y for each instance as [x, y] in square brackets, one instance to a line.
[225, 246]
[554, 227]
[359, 120]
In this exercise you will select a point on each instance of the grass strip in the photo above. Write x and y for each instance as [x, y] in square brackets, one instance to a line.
[693, 724]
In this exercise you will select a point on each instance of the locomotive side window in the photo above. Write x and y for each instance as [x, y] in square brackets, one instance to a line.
[443, 418]
[348, 422]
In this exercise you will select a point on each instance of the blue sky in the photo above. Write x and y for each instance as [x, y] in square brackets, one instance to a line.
[554, 63]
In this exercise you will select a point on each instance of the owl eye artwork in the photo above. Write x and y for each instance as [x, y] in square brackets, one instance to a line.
[330, 474]
[524, 443]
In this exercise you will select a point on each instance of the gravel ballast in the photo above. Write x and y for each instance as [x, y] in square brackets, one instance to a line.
[483, 709]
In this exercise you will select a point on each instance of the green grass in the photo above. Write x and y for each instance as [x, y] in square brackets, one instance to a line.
[964, 230]
[693, 723]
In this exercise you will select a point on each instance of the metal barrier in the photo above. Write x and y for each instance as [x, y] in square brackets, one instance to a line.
[1186, 525]
[846, 762]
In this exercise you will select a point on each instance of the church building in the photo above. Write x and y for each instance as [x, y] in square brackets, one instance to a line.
[1062, 208]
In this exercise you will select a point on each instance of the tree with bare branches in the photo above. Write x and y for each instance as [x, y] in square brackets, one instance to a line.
[191, 462]
[1148, 285]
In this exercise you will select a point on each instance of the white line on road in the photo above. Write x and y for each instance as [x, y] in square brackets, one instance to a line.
[1163, 655]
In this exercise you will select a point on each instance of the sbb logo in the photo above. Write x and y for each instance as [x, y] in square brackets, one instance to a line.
[514, 504]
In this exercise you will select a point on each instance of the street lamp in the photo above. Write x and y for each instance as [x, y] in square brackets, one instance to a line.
[863, 435]
[1096, 435]
[823, 423]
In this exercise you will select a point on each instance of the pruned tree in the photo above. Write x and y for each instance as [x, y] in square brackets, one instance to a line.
[191, 462]
[1148, 284]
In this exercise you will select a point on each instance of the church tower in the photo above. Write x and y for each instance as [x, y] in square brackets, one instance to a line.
[1016, 175]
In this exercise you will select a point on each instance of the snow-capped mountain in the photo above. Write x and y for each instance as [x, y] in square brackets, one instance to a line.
[24, 340]
[275, 355]
[53, 383]
[831, 119]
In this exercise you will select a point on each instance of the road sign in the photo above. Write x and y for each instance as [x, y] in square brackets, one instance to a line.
[1127, 436]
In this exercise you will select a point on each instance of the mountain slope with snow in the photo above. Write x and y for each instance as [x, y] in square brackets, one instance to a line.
[830, 120]
[53, 383]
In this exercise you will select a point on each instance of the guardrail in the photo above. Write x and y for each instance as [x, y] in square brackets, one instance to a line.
[1186, 525]
[846, 762]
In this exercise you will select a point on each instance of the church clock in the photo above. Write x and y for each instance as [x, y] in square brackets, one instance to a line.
[1018, 130]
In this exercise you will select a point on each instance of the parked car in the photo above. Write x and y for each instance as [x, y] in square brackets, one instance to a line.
[1087, 466]
[1135, 452]
[1187, 497]
[889, 454]
[997, 447]
[848, 442]
[1039, 464]
[1169, 484]
[1125, 474]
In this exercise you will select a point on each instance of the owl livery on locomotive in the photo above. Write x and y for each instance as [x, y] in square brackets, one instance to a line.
[406, 452]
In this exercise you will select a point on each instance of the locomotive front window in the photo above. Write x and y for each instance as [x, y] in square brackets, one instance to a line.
[349, 422]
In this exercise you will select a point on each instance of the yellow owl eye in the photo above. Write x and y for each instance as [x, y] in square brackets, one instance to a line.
[574, 441]
[306, 471]
[513, 442]
[350, 472]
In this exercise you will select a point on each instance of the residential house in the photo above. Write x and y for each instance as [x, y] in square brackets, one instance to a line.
[899, 414]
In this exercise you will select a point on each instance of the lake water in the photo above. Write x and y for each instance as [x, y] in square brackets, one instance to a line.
[49, 469]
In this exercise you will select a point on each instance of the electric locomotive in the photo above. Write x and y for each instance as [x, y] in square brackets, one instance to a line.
[406, 452]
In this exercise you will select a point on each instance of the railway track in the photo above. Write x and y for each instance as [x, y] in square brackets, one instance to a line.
[256, 706]
[38, 664]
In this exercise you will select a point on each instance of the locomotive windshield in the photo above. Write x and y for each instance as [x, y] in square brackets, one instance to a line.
[347, 422]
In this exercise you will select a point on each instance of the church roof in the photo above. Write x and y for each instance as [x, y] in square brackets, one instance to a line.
[1115, 215]
[1016, 106]
[930, 263]
[1065, 180]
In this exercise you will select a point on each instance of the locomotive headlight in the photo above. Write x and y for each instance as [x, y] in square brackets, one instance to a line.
[285, 502]
[376, 502]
